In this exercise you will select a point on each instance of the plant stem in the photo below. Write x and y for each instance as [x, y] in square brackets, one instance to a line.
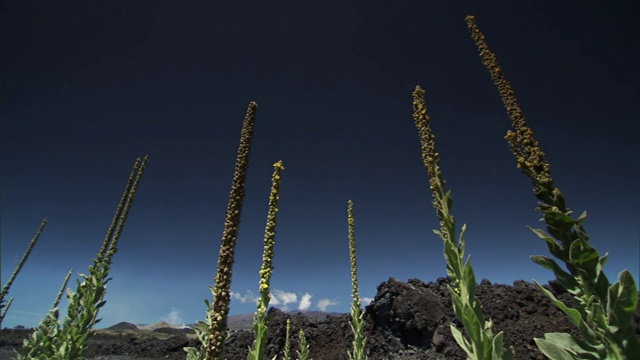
[256, 352]
[219, 310]
[357, 321]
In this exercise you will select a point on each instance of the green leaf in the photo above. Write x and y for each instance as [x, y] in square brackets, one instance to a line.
[453, 260]
[553, 350]
[461, 241]
[463, 230]
[574, 315]
[566, 280]
[457, 303]
[601, 282]
[554, 248]
[496, 348]
[592, 341]
[462, 342]
[498, 351]
[585, 257]
[557, 219]
[472, 325]
[470, 279]
[603, 260]
[622, 300]
[581, 218]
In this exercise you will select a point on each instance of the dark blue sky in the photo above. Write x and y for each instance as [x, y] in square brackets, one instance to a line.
[87, 88]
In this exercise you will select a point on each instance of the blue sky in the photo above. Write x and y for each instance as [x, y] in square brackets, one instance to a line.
[89, 88]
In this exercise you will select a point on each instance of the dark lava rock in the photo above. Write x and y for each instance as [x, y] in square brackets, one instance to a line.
[410, 313]
[174, 331]
[406, 320]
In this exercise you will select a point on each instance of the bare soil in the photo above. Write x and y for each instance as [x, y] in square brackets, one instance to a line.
[406, 320]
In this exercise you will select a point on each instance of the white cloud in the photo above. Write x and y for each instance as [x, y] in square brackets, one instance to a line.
[325, 303]
[248, 297]
[305, 302]
[282, 299]
[279, 297]
[174, 318]
[365, 301]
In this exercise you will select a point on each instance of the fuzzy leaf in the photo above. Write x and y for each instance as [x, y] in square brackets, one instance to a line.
[554, 248]
[557, 219]
[592, 341]
[553, 350]
[461, 241]
[496, 348]
[457, 303]
[574, 315]
[585, 257]
[462, 342]
[622, 300]
[499, 352]
[566, 280]
[472, 325]
[470, 279]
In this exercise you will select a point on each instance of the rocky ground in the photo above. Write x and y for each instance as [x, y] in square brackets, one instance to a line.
[406, 320]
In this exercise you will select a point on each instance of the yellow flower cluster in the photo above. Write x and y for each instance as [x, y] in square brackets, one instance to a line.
[270, 236]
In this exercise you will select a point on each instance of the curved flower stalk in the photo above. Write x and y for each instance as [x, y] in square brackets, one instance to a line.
[603, 312]
[69, 341]
[357, 321]
[5, 289]
[213, 331]
[256, 351]
[480, 344]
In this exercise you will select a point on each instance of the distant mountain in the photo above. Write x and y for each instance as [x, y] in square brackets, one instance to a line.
[123, 326]
[161, 325]
[234, 322]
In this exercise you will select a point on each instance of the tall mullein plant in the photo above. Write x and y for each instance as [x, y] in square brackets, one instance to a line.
[480, 343]
[213, 331]
[603, 313]
[357, 320]
[69, 341]
[256, 351]
[4, 305]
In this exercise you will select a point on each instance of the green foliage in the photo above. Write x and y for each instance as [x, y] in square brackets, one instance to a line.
[45, 337]
[359, 340]
[303, 351]
[68, 342]
[603, 313]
